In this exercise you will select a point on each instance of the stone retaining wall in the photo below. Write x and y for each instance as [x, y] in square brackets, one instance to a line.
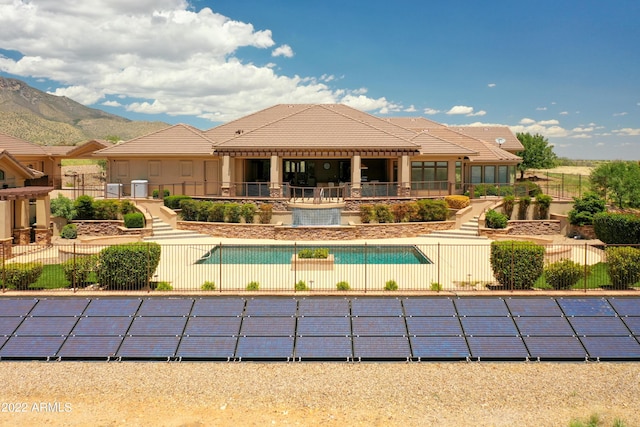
[109, 228]
[527, 228]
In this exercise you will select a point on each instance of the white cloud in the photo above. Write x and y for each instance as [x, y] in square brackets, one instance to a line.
[581, 136]
[410, 109]
[581, 129]
[548, 128]
[624, 113]
[460, 109]
[527, 121]
[284, 50]
[541, 109]
[548, 122]
[477, 113]
[564, 113]
[430, 111]
[627, 132]
[491, 85]
[111, 104]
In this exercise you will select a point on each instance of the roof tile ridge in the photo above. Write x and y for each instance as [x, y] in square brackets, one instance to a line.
[444, 140]
[248, 116]
[197, 132]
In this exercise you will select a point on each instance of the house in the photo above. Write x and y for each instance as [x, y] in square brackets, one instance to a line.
[316, 149]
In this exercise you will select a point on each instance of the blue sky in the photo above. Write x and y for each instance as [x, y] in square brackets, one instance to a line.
[569, 70]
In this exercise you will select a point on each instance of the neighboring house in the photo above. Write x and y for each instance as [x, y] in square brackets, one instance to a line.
[277, 151]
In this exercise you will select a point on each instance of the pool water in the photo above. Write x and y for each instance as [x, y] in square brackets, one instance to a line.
[343, 254]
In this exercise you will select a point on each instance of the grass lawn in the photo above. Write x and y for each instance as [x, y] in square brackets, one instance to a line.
[598, 277]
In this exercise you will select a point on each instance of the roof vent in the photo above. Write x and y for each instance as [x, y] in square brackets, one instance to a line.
[239, 131]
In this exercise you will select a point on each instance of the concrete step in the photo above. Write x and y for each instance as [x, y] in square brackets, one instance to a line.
[454, 234]
[164, 231]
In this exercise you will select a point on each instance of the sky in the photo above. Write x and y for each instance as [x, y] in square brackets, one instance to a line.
[566, 69]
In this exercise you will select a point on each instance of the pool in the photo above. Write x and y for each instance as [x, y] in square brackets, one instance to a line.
[343, 254]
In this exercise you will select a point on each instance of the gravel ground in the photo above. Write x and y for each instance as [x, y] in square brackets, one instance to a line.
[310, 394]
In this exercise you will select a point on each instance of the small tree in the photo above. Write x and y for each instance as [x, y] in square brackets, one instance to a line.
[248, 212]
[537, 154]
[508, 203]
[623, 266]
[494, 219]
[84, 207]
[523, 206]
[563, 274]
[63, 207]
[617, 181]
[516, 264]
[585, 208]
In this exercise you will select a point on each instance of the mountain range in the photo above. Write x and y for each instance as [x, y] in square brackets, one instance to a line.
[45, 119]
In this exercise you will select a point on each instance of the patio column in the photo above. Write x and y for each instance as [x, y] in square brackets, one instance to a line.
[21, 227]
[356, 176]
[226, 175]
[43, 217]
[276, 177]
[404, 176]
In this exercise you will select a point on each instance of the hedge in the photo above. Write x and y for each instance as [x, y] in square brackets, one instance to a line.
[173, 202]
[564, 274]
[623, 265]
[20, 275]
[77, 270]
[517, 264]
[617, 228]
[134, 220]
[495, 220]
[128, 266]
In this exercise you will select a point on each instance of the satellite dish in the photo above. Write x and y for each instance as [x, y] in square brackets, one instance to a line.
[500, 141]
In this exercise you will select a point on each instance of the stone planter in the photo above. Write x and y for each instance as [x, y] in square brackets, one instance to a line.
[306, 264]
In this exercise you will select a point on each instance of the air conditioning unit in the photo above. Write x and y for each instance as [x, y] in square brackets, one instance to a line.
[113, 191]
[139, 188]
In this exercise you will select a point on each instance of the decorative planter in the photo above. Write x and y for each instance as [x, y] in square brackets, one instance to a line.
[299, 264]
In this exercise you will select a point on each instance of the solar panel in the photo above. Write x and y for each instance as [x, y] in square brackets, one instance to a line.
[626, 306]
[9, 324]
[497, 348]
[60, 307]
[218, 306]
[271, 307]
[159, 347]
[42, 326]
[265, 348]
[433, 326]
[489, 326]
[544, 326]
[270, 326]
[324, 326]
[481, 307]
[324, 307]
[319, 347]
[157, 326]
[611, 347]
[585, 307]
[213, 326]
[555, 348]
[378, 326]
[102, 326]
[113, 307]
[439, 347]
[370, 347]
[529, 306]
[31, 347]
[207, 347]
[633, 323]
[376, 307]
[166, 307]
[16, 306]
[428, 307]
[591, 326]
[87, 347]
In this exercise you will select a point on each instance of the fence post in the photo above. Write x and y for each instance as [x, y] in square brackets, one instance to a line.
[439, 286]
[4, 271]
[513, 249]
[220, 266]
[73, 276]
[295, 265]
[148, 272]
[586, 268]
[365, 267]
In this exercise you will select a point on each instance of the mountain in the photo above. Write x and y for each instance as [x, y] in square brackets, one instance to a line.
[42, 118]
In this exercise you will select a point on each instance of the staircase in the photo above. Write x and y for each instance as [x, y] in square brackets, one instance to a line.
[468, 230]
[164, 231]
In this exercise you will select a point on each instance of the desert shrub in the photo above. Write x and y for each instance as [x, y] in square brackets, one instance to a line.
[343, 286]
[542, 202]
[457, 201]
[253, 286]
[127, 207]
[69, 231]
[383, 213]
[516, 264]
[413, 211]
[128, 266]
[623, 264]
[301, 286]
[189, 209]
[523, 207]
[164, 286]
[366, 214]
[401, 212]
[134, 220]
[495, 219]
[106, 209]
[486, 190]
[83, 206]
[265, 213]
[391, 285]
[173, 202]
[215, 212]
[63, 207]
[432, 210]
[617, 228]
[527, 188]
[208, 286]
[20, 275]
[77, 270]
[508, 203]
[233, 212]
[563, 274]
[248, 212]
[435, 286]
[585, 208]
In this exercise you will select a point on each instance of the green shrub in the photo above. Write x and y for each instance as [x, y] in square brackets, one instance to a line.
[129, 266]
[265, 213]
[127, 207]
[189, 209]
[432, 210]
[617, 228]
[623, 266]
[301, 286]
[106, 209]
[69, 231]
[486, 190]
[542, 202]
[84, 207]
[585, 208]
[563, 274]
[20, 275]
[319, 253]
[516, 264]
[208, 286]
[248, 212]
[523, 206]
[253, 286]
[382, 213]
[435, 286]
[164, 286]
[494, 219]
[233, 212]
[173, 202]
[508, 203]
[527, 188]
[366, 214]
[343, 286]
[63, 207]
[216, 212]
[134, 220]
[391, 285]
[77, 270]
[156, 193]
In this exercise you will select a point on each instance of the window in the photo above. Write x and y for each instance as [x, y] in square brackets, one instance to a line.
[186, 168]
[154, 167]
[476, 174]
[429, 175]
[490, 174]
[458, 175]
[1, 175]
[503, 174]
[122, 168]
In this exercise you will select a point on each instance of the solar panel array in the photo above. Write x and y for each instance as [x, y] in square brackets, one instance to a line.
[320, 328]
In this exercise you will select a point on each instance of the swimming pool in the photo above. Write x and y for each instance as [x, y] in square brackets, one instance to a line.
[343, 254]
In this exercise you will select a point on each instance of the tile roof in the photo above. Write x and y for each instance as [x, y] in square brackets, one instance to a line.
[20, 147]
[486, 152]
[6, 157]
[417, 124]
[175, 140]
[433, 145]
[489, 134]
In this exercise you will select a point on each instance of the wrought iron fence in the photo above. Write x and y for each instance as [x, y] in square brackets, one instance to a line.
[280, 268]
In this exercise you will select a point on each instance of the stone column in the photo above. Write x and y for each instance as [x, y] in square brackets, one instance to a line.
[404, 176]
[21, 227]
[356, 176]
[43, 219]
[226, 176]
[275, 190]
